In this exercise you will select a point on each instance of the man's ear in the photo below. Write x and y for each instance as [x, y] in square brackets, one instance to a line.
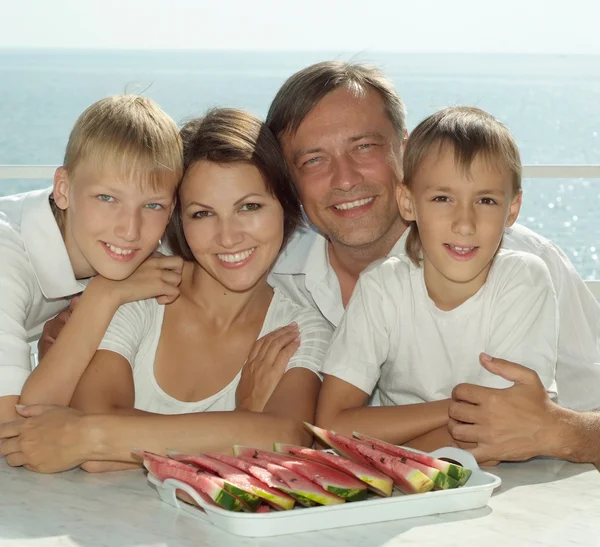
[60, 190]
[405, 202]
[515, 207]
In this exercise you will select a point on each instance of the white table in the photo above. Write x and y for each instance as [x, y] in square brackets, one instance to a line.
[542, 502]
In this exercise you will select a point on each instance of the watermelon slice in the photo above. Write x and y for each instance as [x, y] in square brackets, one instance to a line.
[332, 480]
[165, 468]
[406, 478]
[238, 483]
[378, 482]
[263, 475]
[305, 491]
[456, 472]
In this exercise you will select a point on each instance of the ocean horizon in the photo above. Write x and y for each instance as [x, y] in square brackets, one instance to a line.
[551, 103]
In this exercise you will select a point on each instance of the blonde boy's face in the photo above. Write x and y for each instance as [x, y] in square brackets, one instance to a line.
[112, 225]
[461, 218]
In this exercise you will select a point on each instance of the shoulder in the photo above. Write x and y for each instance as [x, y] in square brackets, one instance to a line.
[286, 311]
[520, 268]
[388, 271]
[14, 261]
[521, 238]
[139, 313]
[293, 257]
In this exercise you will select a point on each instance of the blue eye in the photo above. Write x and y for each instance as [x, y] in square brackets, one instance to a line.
[311, 161]
[154, 206]
[248, 207]
[105, 198]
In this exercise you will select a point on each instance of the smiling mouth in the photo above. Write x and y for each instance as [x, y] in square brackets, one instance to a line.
[460, 250]
[118, 250]
[353, 204]
[233, 258]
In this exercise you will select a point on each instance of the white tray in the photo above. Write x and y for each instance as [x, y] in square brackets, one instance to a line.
[473, 495]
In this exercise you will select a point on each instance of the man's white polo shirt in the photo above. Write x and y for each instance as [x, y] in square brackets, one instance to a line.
[36, 280]
[304, 273]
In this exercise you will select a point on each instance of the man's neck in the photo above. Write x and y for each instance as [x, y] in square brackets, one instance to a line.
[348, 262]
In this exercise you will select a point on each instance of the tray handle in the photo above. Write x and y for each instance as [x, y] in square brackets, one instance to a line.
[167, 490]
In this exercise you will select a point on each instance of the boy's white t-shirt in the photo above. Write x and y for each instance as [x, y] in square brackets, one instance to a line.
[36, 281]
[135, 332]
[393, 337]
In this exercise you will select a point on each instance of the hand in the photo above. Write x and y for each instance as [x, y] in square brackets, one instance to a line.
[265, 366]
[511, 424]
[158, 276]
[53, 327]
[47, 438]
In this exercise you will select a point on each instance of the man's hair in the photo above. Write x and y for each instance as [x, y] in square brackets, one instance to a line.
[130, 135]
[230, 136]
[302, 91]
[470, 132]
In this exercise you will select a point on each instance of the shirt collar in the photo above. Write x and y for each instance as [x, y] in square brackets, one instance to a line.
[46, 249]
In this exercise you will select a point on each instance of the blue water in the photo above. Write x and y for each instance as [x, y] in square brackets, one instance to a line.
[551, 103]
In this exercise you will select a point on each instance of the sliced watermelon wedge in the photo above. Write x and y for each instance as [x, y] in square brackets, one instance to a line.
[239, 483]
[376, 481]
[261, 474]
[332, 480]
[453, 471]
[304, 490]
[406, 478]
[165, 468]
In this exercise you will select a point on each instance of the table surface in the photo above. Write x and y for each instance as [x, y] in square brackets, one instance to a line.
[541, 502]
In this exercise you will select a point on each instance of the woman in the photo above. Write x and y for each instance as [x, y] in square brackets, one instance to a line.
[236, 210]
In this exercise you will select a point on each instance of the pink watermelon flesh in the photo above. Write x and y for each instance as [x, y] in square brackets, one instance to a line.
[165, 468]
[242, 485]
[455, 472]
[306, 492]
[408, 479]
[332, 480]
[378, 482]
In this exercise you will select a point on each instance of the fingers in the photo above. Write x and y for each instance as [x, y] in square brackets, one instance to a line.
[289, 333]
[286, 354]
[173, 263]
[74, 301]
[9, 446]
[508, 370]
[16, 459]
[463, 412]
[288, 336]
[10, 429]
[470, 393]
[28, 411]
[469, 433]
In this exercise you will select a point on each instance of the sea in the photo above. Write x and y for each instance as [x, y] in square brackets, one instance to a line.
[551, 104]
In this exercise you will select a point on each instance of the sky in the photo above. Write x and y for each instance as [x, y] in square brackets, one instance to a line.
[472, 26]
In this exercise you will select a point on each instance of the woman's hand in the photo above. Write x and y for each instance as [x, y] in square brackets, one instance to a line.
[158, 276]
[265, 367]
[46, 439]
[53, 327]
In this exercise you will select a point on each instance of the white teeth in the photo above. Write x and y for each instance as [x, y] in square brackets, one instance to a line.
[118, 250]
[236, 257]
[353, 204]
[461, 250]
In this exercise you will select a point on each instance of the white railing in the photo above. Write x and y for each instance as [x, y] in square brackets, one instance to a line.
[529, 172]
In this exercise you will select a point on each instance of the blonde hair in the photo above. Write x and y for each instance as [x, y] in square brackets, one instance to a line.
[471, 132]
[133, 136]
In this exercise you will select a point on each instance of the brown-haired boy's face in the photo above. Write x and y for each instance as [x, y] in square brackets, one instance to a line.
[111, 225]
[461, 217]
[341, 160]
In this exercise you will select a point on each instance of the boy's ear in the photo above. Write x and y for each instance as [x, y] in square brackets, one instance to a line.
[515, 207]
[405, 202]
[60, 190]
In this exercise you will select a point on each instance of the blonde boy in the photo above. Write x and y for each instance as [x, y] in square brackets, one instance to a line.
[103, 217]
[417, 322]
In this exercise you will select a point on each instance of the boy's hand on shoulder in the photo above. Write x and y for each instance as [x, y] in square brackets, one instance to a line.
[511, 424]
[157, 277]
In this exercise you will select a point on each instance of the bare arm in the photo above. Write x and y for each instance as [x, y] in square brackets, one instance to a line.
[55, 378]
[341, 408]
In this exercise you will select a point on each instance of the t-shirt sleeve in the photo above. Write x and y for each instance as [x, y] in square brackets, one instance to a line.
[128, 328]
[524, 324]
[315, 336]
[361, 343]
[16, 278]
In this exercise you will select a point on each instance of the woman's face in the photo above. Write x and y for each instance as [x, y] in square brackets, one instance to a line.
[231, 222]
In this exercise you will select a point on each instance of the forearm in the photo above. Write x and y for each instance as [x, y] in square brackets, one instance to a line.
[576, 437]
[55, 378]
[432, 440]
[7, 408]
[113, 437]
[394, 424]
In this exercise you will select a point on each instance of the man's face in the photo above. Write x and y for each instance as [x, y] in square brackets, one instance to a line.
[342, 162]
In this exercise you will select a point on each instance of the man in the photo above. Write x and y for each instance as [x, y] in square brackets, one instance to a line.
[341, 128]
